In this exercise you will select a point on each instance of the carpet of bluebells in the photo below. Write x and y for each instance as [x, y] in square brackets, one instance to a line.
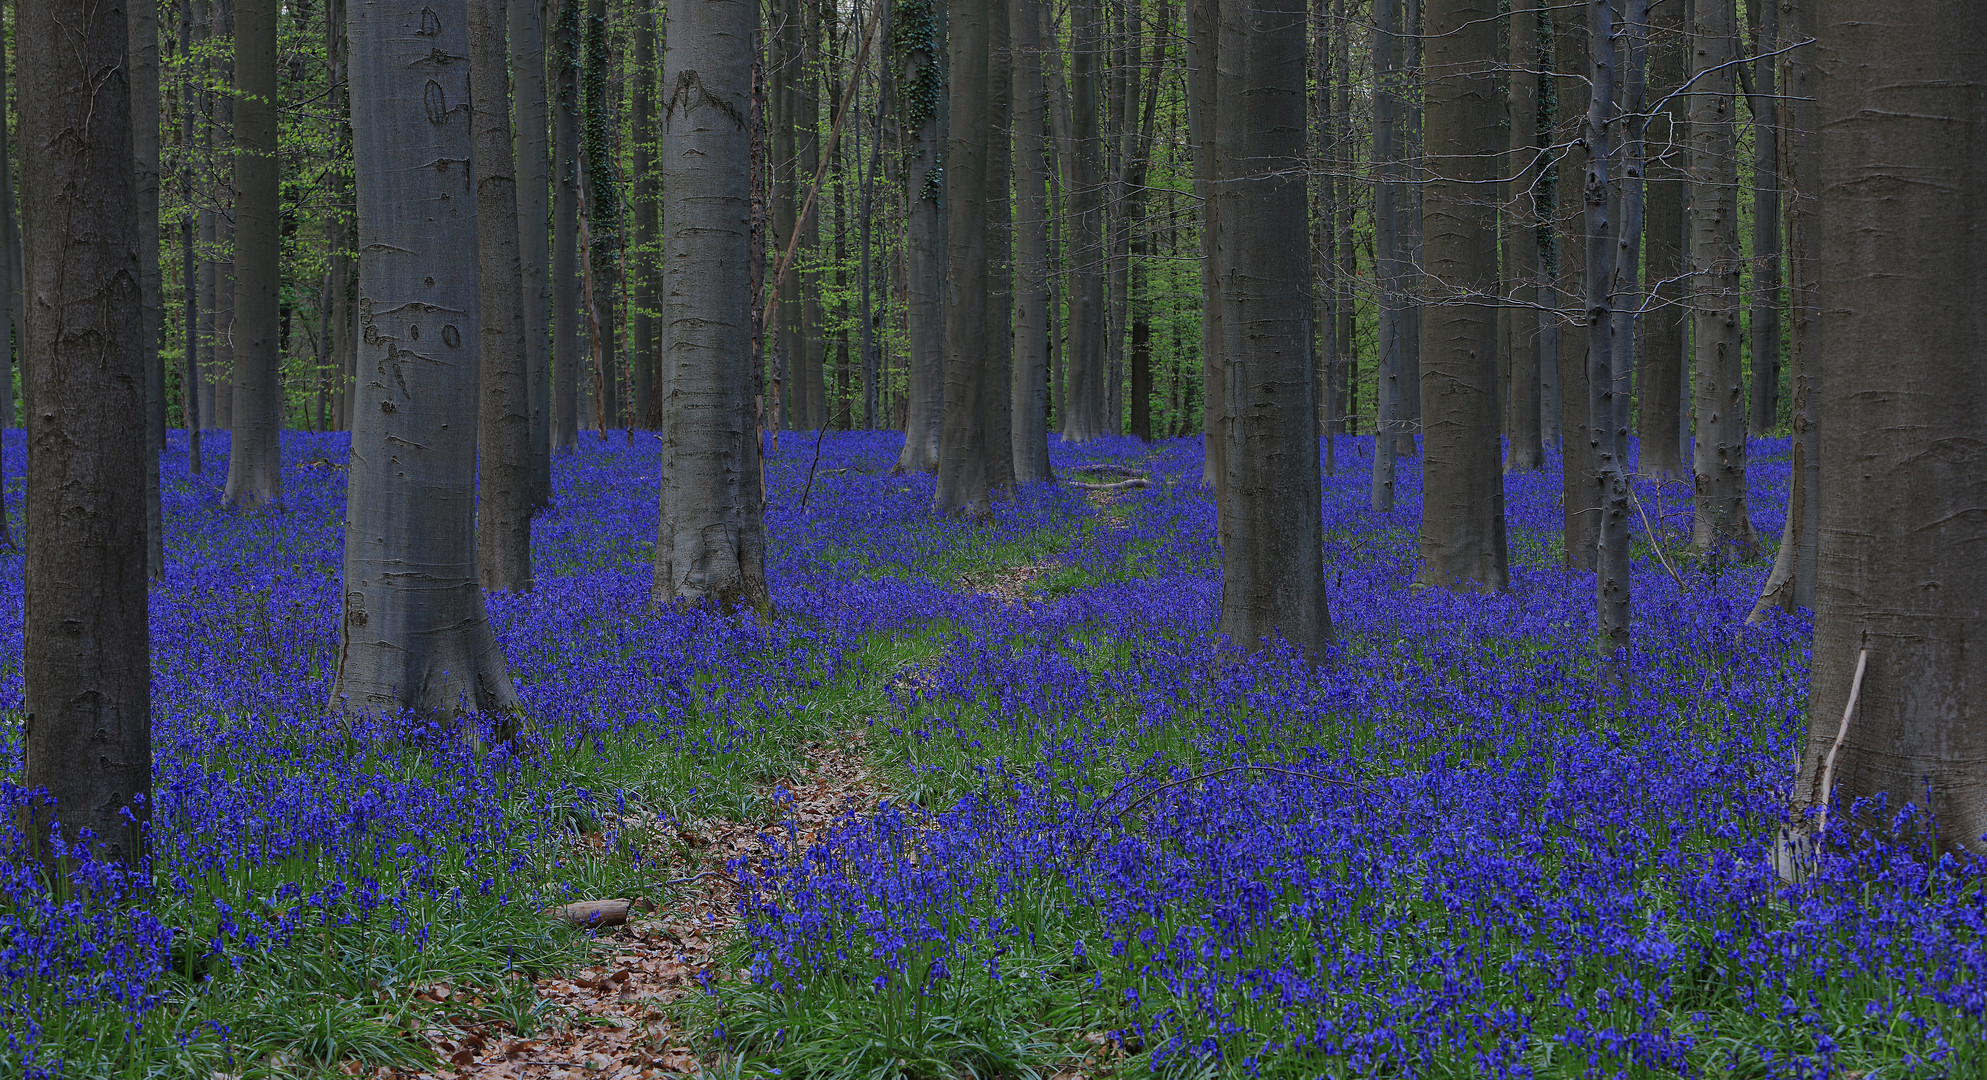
[1461, 848]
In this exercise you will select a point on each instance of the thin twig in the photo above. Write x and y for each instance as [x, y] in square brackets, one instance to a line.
[1841, 733]
[1654, 543]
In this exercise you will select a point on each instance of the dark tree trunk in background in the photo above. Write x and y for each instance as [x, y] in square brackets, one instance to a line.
[1522, 422]
[1031, 246]
[785, 51]
[601, 187]
[1581, 518]
[1763, 19]
[1720, 523]
[415, 632]
[503, 420]
[1271, 530]
[1903, 569]
[1203, 81]
[1410, 148]
[255, 453]
[710, 543]
[10, 255]
[867, 273]
[1348, 252]
[189, 371]
[973, 387]
[1324, 230]
[1462, 500]
[338, 220]
[143, 58]
[527, 48]
[917, 42]
[808, 389]
[203, 29]
[1387, 239]
[1659, 378]
[566, 227]
[86, 659]
[1084, 416]
[1613, 215]
[641, 361]
[999, 189]
[222, 371]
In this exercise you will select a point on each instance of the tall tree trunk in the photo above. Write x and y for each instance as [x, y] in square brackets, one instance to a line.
[1792, 582]
[142, 24]
[1578, 464]
[1614, 231]
[1903, 568]
[86, 656]
[1763, 17]
[534, 178]
[1659, 378]
[710, 543]
[1387, 247]
[789, 407]
[189, 380]
[1720, 523]
[11, 328]
[1348, 253]
[1324, 232]
[601, 187]
[1203, 84]
[1271, 531]
[999, 187]
[255, 453]
[415, 632]
[203, 33]
[1031, 247]
[503, 420]
[566, 227]
[966, 474]
[872, 312]
[1462, 501]
[1410, 229]
[809, 390]
[223, 369]
[641, 364]
[1084, 412]
[918, 38]
[1527, 446]
[338, 217]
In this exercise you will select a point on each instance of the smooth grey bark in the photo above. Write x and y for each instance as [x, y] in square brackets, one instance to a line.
[534, 152]
[142, 54]
[1522, 421]
[1031, 246]
[641, 362]
[1763, 18]
[809, 389]
[1580, 508]
[1387, 415]
[869, 312]
[924, 236]
[189, 380]
[255, 452]
[1659, 377]
[1410, 289]
[1720, 524]
[783, 42]
[710, 542]
[966, 448]
[203, 30]
[503, 421]
[1462, 542]
[1084, 407]
[1792, 582]
[999, 187]
[86, 660]
[1271, 530]
[11, 324]
[1203, 82]
[1347, 358]
[1903, 565]
[1614, 213]
[415, 634]
[222, 371]
[566, 228]
[338, 218]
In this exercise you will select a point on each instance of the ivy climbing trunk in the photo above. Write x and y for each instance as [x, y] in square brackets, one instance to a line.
[915, 41]
[601, 175]
[566, 228]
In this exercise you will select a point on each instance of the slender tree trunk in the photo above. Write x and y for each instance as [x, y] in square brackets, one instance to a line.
[1387, 247]
[203, 32]
[1348, 253]
[925, 259]
[255, 453]
[1527, 446]
[872, 312]
[710, 543]
[1324, 232]
[601, 187]
[1903, 567]
[999, 376]
[11, 325]
[1614, 230]
[566, 228]
[1721, 525]
[338, 218]
[809, 389]
[1203, 84]
[534, 178]
[223, 370]
[1272, 536]
[142, 24]
[1031, 247]
[1659, 378]
[189, 259]
[1084, 412]
[641, 368]
[503, 421]
[1761, 100]
[86, 655]
[1578, 457]
[1410, 145]
[1462, 501]
[415, 632]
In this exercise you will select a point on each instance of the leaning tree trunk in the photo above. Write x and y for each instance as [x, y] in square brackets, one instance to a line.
[1659, 378]
[415, 631]
[503, 420]
[711, 536]
[255, 453]
[965, 448]
[1720, 522]
[566, 229]
[1387, 248]
[1764, 19]
[143, 57]
[1272, 534]
[1792, 582]
[527, 46]
[1031, 247]
[1083, 414]
[1462, 490]
[85, 660]
[1903, 569]
[1527, 446]
[917, 35]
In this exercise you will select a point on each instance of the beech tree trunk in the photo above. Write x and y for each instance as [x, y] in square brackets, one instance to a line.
[710, 543]
[255, 453]
[86, 657]
[10, 256]
[1720, 526]
[1031, 246]
[222, 371]
[566, 228]
[1903, 566]
[601, 186]
[1581, 509]
[1763, 19]
[338, 220]
[1084, 416]
[1272, 535]
[809, 388]
[1522, 423]
[922, 86]
[966, 476]
[1462, 502]
[415, 632]
[143, 56]
[1203, 82]
[1387, 247]
[641, 361]
[503, 421]
[527, 48]
[1659, 387]
[189, 382]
